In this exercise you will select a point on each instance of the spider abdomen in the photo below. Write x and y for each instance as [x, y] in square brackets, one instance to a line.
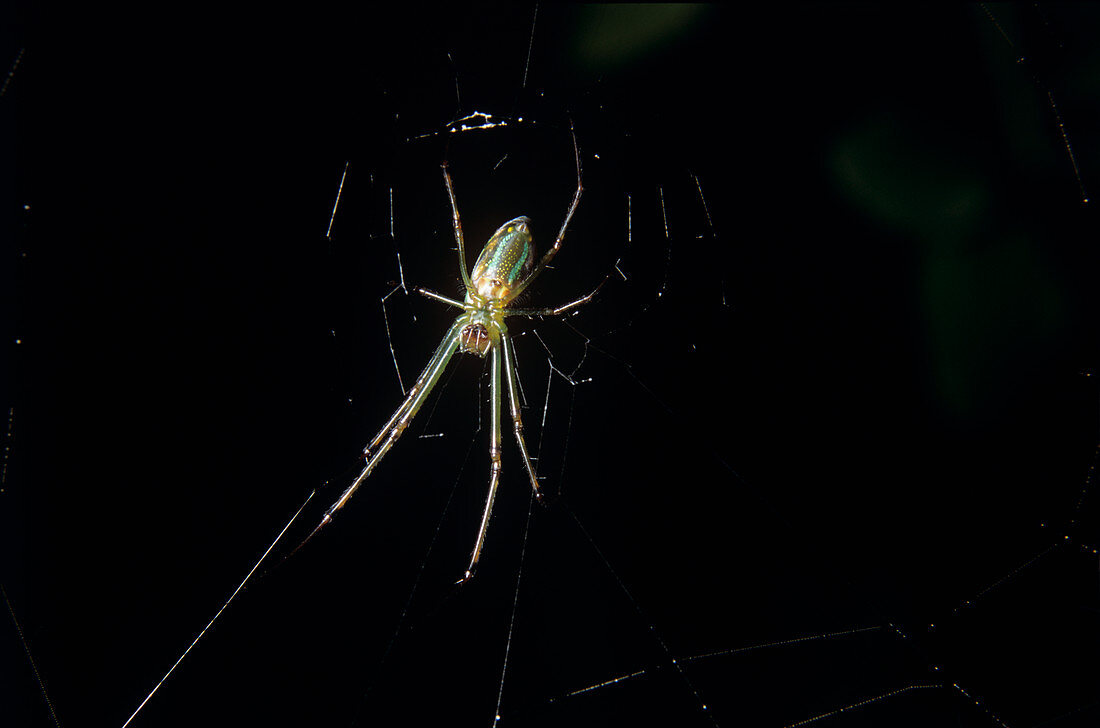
[506, 259]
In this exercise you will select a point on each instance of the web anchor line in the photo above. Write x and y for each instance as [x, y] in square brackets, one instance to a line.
[718, 653]
[638, 608]
[1022, 60]
[512, 620]
[336, 204]
[222, 609]
[30, 658]
[865, 702]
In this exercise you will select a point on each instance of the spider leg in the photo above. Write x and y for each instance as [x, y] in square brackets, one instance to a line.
[558, 311]
[392, 430]
[458, 227]
[494, 457]
[561, 233]
[513, 401]
[411, 395]
[441, 298]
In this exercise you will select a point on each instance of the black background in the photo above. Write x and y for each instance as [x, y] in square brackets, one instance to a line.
[859, 397]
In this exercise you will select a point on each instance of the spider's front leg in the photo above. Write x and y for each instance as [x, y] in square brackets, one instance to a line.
[549, 256]
[457, 221]
[559, 310]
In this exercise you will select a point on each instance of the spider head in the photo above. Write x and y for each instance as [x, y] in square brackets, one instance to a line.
[506, 260]
[475, 339]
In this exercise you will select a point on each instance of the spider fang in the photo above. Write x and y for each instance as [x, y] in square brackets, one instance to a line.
[475, 340]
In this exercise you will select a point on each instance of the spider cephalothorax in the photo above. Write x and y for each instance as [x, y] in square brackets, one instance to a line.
[503, 270]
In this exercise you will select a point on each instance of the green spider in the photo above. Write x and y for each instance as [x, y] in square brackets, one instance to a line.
[503, 270]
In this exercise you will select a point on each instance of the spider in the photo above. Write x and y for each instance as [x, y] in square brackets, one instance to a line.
[503, 270]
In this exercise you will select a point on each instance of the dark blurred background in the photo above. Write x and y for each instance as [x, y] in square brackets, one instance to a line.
[842, 379]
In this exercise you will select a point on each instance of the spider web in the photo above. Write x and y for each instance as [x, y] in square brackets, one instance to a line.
[821, 450]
